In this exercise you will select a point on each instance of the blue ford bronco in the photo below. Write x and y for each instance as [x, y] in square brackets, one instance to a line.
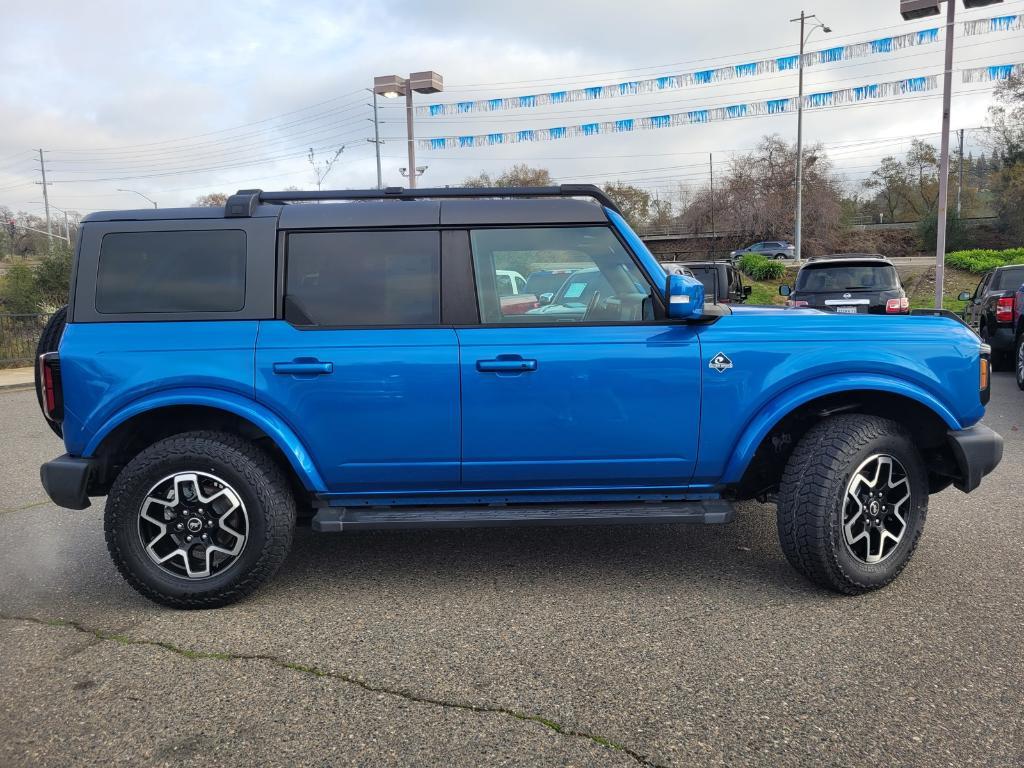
[224, 373]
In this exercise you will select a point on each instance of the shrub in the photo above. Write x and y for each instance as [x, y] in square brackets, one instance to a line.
[759, 267]
[956, 232]
[978, 260]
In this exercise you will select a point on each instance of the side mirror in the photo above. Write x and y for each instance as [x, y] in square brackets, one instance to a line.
[684, 296]
[964, 296]
[747, 290]
[785, 290]
[545, 298]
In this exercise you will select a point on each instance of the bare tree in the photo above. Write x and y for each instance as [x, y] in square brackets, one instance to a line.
[323, 167]
[211, 200]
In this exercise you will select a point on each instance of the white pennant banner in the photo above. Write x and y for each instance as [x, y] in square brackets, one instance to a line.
[853, 95]
[993, 73]
[881, 45]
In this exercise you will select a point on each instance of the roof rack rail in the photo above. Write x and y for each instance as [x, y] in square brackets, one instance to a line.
[244, 202]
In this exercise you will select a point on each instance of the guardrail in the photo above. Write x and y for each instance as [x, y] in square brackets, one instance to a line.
[19, 335]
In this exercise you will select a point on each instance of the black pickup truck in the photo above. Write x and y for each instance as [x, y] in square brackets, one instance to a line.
[989, 311]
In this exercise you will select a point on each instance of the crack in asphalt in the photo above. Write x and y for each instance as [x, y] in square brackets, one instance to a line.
[525, 717]
[30, 505]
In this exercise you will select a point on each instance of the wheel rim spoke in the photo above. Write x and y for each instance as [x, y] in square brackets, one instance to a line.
[193, 525]
[874, 518]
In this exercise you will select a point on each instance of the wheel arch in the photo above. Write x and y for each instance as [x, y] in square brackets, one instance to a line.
[769, 439]
[168, 413]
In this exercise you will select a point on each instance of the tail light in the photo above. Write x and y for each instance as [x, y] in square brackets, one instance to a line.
[897, 306]
[51, 392]
[796, 303]
[1004, 309]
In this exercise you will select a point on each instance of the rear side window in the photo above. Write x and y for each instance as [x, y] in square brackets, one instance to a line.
[185, 271]
[363, 278]
[1009, 279]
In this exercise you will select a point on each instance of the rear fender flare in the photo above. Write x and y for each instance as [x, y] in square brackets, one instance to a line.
[776, 409]
[278, 431]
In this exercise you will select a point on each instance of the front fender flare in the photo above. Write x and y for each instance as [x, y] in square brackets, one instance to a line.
[781, 405]
[222, 400]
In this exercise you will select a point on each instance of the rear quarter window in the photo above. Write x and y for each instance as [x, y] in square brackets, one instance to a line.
[1009, 279]
[183, 271]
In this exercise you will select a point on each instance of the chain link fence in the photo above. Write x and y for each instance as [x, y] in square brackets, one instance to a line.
[19, 335]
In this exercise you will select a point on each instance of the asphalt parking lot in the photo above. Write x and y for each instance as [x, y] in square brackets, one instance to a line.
[669, 646]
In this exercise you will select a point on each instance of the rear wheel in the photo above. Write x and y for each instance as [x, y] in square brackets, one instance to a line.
[1019, 357]
[199, 520]
[49, 341]
[852, 503]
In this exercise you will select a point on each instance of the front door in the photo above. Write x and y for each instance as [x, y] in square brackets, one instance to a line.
[360, 367]
[586, 390]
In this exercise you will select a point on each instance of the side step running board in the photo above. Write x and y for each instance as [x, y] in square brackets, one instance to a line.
[336, 519]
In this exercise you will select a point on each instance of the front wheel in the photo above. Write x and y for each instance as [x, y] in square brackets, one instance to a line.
[1019, 357]
[199, 520]
[852, 503]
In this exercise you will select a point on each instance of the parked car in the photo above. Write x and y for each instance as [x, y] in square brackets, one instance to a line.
[989, 311]
[849, 284]
[676, 268]
[1018, 326]
[547, 281]
[721, 280]
[772, 249]
[511, 288]
[224, 371]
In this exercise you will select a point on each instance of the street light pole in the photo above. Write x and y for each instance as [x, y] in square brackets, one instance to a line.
[798, 225]
[392, 86]
[940, 223]
[134, 192]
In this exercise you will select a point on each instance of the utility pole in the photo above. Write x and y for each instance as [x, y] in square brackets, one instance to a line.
[376, 139]
[797, 227]
[947, 87]
[960, 176]
[46, 198]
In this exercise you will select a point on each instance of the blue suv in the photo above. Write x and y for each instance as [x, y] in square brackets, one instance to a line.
[224, 373]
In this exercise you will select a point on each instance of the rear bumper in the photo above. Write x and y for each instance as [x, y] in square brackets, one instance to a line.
[978, 451]
[66, 481]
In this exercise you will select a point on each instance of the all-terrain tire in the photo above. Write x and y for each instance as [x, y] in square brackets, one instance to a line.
[811, 501]
[259, 482]
[49, 340]
[1019, 359]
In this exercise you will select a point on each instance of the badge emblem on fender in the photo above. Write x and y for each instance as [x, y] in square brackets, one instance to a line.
[720, 362]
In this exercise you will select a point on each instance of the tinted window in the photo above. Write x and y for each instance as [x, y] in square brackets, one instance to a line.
[848, 277]
[363, 278]
[200, 271]
[599, 282]
[1009, 279]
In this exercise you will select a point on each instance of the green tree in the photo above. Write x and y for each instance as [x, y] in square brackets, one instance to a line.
[634, 202]
[212, 200]
[19, 292]
[519, 175]
[53, 279]
[1006, 136]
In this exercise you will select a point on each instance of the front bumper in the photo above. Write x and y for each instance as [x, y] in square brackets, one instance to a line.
[1002, 340]
[66, 481]
[978, 451]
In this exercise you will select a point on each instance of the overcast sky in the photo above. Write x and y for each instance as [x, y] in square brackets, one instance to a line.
[179, 99]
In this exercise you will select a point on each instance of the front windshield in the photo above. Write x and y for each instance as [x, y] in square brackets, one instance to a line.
[847, 277]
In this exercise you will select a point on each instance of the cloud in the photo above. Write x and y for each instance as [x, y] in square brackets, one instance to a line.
[139, 95]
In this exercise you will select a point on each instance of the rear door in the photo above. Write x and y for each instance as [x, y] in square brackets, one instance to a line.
[359, 364]
[587, 392]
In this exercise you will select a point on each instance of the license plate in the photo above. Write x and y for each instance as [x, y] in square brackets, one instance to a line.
[846, 310]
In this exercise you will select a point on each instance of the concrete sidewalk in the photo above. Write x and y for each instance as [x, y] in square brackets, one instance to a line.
[16, 378]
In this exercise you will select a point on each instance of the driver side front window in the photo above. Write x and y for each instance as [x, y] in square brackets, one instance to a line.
[597, 279]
